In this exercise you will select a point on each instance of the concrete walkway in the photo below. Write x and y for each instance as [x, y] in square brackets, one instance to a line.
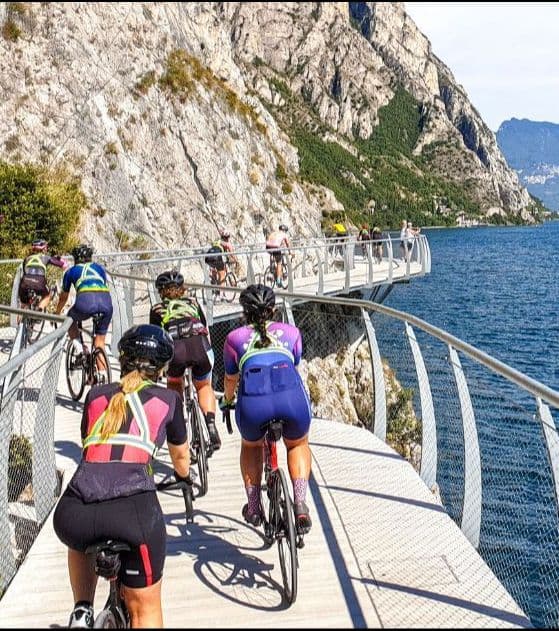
[382, 552]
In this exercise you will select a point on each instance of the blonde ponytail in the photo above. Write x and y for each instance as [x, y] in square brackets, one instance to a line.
[116, 412]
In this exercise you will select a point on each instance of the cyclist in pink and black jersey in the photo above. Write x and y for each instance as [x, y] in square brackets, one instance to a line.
[112, 494]
[34, 276]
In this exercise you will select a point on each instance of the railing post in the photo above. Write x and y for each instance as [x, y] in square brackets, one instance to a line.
[428, 470]
[379, 426]
[471, 511]
[14, 303]
[390, 262]
[552, 445]
[250, 270]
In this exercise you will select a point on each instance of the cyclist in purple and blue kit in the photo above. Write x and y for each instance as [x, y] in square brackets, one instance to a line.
[261, 359]
[92, 294]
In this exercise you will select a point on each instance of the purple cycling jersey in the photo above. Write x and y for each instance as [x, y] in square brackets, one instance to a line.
[238, 342]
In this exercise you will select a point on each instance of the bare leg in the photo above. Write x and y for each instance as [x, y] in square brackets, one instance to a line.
[298, 458]
[206, 395]
[144, 606]
[176, 384]
[251, 462]
[83, 579]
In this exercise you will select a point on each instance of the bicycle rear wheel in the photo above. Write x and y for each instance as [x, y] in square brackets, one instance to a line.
[286, 537]
[200, 447]
[110, 619]
[270, 277]
[230, 281]
[75, 371]
[100, 375]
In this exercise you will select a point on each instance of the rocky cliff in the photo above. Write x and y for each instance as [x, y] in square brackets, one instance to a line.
[532, 149]
[179, 118]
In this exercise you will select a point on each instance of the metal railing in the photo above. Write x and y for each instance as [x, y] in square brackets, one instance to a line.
[481, 434]
[29, 482]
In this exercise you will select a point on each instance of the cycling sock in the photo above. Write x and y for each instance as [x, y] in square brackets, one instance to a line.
[253, 496]
[299, 490]
[210, 417]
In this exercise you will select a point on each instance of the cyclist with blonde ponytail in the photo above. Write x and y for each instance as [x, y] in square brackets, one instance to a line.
[112, 494]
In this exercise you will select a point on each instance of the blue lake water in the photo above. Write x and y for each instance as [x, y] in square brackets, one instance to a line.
[497, 289]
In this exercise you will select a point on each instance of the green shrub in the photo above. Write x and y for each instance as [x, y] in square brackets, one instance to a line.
[38, 203]
[147, 80]
[11, 31]
[20, 465]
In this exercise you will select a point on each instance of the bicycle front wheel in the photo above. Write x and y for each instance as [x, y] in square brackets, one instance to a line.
[230, 281]
[75, 371]
[200, 447]
[100, 366]
[286, 537]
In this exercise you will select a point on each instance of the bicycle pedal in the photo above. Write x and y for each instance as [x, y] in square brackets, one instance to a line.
[300, 542]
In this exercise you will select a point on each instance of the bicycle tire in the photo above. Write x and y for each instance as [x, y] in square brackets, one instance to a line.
[108, 618]
[286, 537]
[75, 372]
[230, 281]
[100, 352]
[34, 329]
[270, 278]
[200, 446]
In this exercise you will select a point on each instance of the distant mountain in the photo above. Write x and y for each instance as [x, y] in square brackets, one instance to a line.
[532, 149]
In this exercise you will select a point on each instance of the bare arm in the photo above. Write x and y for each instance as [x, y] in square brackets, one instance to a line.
[230, 386]
[62, 300]
[180, 457]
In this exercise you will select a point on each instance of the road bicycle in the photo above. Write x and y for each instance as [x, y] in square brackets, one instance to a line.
[199, 440]
[279, 520]
[114, 614]
[33, 327]
[230, 280]
[85, 366]
[270, 274]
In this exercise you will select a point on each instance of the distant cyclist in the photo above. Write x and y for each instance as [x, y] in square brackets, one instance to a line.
[112, 494]
[92, 294]
[183, 318]
[34, 278]
[276, 241]
[261, 358]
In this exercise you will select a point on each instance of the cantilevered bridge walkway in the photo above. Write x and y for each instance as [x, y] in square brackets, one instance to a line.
[371, 559]
[383, 552]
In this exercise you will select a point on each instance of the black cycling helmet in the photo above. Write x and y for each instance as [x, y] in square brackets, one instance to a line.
[145, 346]
[82, 253]
[284, 228]
[171, 278]
[256, 299]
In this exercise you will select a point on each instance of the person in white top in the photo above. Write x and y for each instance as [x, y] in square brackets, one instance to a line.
[276, 241]
[411, 233]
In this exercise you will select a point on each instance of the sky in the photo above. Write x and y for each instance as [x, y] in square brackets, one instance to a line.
[505, 55]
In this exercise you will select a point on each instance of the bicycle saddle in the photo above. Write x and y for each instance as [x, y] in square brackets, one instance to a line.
[110, 545]
[274, 429]
[97, 316]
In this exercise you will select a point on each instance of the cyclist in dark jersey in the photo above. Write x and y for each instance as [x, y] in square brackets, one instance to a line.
[34, 276]
[183, 318]
[112, 494]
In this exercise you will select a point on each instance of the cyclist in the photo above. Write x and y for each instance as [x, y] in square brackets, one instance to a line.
[34, 278]
[112, 494]
[278, 239]
[92, 295]
[218, 256]
[183, 318]
[262, 357]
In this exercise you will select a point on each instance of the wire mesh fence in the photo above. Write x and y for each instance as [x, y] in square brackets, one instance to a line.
[29, 482]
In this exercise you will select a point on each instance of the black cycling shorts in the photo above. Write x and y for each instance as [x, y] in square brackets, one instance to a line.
[275, 254]
[194, 351]
[135, 519]
[37, 283]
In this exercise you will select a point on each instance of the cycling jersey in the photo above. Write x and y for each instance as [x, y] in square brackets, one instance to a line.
[181, 317]
[277, 239]
[119, 465]
[270, 386]
[36, 264]
[85, 277]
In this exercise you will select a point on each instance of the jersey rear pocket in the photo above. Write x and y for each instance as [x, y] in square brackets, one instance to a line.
[283, 376]
[256, 380]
